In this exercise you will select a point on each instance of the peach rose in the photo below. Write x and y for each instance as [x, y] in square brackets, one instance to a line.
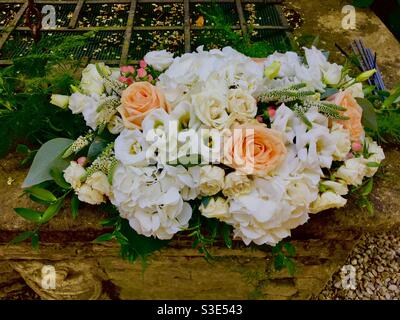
[138, 100]
[253, 149]
[353, 112]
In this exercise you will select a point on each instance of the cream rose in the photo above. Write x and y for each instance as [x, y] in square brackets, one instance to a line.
[73, 174]
[376, 156]
[353, 171]
[253, 149]
[241, 103]
[327, 200]
[211, 180]
[210, 106]
[99, 182]
[236, 183]
[89, 195]
[216, 208]
[92, 81]
[138, 100]
[339, 187]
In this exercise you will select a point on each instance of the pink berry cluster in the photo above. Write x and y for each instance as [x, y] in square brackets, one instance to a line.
[130, 74]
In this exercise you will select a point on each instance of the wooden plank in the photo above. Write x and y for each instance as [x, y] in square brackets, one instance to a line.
[242, 20]
[74, 20]
[285, 24]
[6, 33]
[128, 32]
[186, 9]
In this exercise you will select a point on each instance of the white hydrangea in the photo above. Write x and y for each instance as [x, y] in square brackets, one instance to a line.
[150, 198]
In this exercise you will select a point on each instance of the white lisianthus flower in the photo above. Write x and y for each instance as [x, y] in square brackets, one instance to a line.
[92, 81]
[356, 90]
[89, 195]
[99, 182]
[59, 100]
[115, 125]
[215, 208]
[73, 174]
[339, 187]
[327, 200]
[353, 171]
[159, 60]
[211, 108]
[332, 73]
[236, 183]
[211, 180]
[376, 156]
[341, 138]
[184, 114]
[284, 121]
[241, 103]
[130, 148]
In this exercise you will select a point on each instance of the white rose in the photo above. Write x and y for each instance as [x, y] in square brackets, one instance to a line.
[159, 60]
[59, 100]
[211, 180]
[236, 184]
[92, 81]
[339, 187]
[210, 107]
[327, 200]
[99, 182]
[241, 103]
[89, 195]
[73, 174]
[353, 171]
[376, 155]
[341, 137]
[216, 208]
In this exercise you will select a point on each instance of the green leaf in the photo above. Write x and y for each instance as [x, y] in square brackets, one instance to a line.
[290, 249]
[278, 261]
[52, 210]
[328, 92]
[226, 232]
[58, 178]
[74, 206]
[290, 265]
[369, 116]
[29, 214]
[205, 201]
[368, 187]
[373, 164]
[48, 157]
[96, 148]
[35, 241]
[22, 237]
[109, 222]
[104, 237]
[23, 149]
[392, 98]
[370, 207]
[42, 194]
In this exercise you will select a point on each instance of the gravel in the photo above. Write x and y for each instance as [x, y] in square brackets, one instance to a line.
[376, 260]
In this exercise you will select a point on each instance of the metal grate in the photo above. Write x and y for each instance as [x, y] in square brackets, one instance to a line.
[127, 29]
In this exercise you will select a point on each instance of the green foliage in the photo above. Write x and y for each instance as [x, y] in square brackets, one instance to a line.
[362, 3]
[282, 254]
[225, 35]
[362, 192]
[26, 114]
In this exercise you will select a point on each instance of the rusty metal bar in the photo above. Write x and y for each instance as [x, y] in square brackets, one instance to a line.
[6, 33]
[186, 5]
[128, 32]
[74, 20]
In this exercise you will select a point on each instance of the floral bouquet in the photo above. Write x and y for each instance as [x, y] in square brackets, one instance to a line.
[249, 146]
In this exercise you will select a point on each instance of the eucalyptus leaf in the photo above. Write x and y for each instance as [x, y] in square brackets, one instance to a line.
[22, 237]
[29, 214]
[369, 116]
[52, 210]
[48, 157]
[42, 194]
[96, 148]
